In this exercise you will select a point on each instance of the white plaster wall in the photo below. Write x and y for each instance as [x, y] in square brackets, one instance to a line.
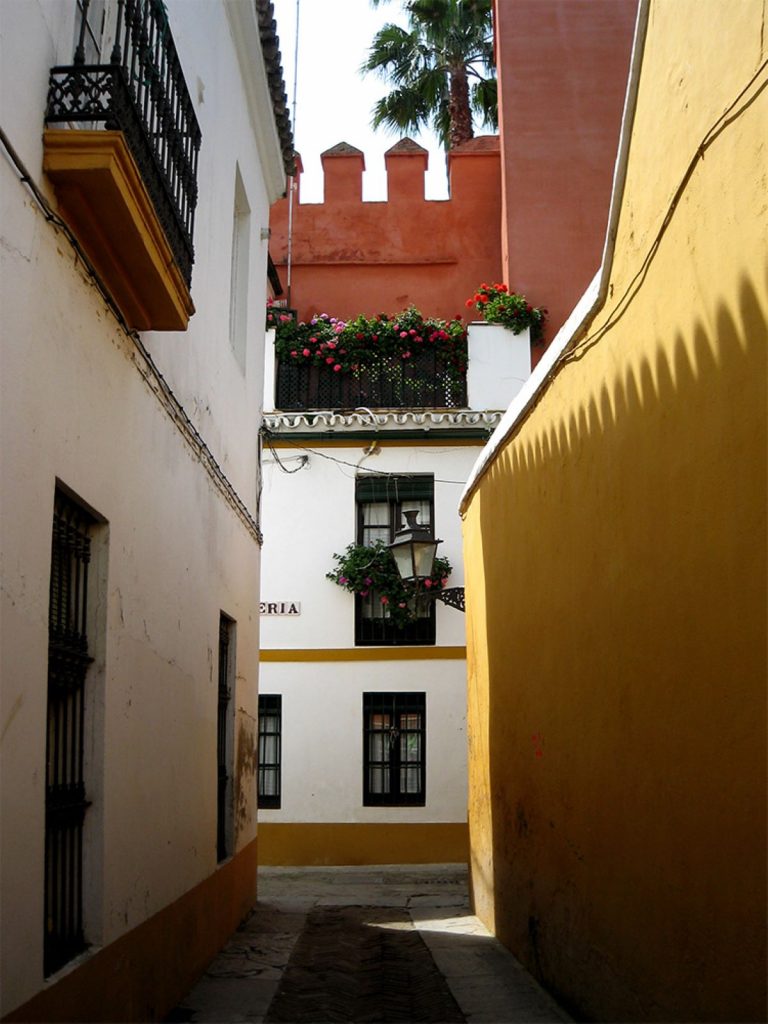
[172, 554]
[499, 364]
[322, 751]
[307, 516]
[310, 514]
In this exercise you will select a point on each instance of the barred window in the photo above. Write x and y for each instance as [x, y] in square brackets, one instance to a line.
[270, 742]
[394, 749]
[66, 801]
[224, 737]
[381, 502]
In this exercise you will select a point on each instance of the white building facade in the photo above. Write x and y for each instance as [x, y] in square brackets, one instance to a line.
[132, 374]
[363, 739]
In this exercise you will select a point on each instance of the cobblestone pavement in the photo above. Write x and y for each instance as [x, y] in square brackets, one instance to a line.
[351, 944]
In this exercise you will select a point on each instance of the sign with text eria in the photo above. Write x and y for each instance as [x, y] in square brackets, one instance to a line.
[280, 608]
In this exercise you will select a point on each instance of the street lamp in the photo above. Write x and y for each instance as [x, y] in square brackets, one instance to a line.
[414, 549]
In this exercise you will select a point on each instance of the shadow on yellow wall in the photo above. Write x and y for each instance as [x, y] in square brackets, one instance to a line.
[621, 834]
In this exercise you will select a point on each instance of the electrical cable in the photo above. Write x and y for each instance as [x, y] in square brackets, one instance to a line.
[579, 350]
[342, 462]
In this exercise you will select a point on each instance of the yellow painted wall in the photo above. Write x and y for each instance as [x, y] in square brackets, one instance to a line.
[615, 553]
[313, 843]
[145, 973]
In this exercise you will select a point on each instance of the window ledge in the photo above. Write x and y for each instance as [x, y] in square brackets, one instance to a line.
[104, 201]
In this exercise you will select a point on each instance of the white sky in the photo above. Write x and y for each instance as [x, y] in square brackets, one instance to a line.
[334, 102]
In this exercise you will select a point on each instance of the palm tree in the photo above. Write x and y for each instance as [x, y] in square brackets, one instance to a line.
[441, 69]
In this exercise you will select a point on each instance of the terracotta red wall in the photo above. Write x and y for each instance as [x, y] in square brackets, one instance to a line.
[562, 69]
[352, 257]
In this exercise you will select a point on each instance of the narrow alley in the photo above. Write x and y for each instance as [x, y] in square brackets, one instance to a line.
[391, 943]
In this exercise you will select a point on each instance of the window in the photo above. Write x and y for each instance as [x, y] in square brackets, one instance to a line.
[381, 501]
[239, 273]
[394, 749]
[270, 725]
[66, 801]
[224, 737]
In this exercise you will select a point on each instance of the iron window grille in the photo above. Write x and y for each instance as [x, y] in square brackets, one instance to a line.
[394, 749]
[66, 800]
[270, 749]
[224, 737]
[381, 501]
[142, 93]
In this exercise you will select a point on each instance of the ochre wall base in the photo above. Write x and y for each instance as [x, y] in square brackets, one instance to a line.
[293, 844]
[143, 974]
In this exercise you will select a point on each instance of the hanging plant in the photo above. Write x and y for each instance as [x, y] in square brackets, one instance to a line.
[362, 570]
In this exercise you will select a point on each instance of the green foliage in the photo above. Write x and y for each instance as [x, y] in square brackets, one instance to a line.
[362, 570]
[347, 347]
[497, 305]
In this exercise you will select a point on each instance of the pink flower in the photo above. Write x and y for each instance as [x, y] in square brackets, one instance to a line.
[313, 340]
[367, 581]
[412, 332]
[444, 580]
[339, 328]
[427, 584]
[331, 344]
[385, 600]
[363, 593]
[294, 353]
[403, 334]
[284, 318]
[402, 604]
[336, 368]
[374, 337]
[343, 580]
[305, 352]
[329, 359]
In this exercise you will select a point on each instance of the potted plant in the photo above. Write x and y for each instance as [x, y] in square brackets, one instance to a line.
[497, 305]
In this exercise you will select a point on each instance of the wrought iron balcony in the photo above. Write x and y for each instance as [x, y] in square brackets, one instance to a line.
[142, 93]
[423, 382]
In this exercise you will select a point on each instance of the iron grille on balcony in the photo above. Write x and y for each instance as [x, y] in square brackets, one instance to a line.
[142, 93]
[423, 382]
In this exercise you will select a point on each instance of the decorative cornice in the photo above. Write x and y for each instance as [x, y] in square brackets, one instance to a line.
[394, 421]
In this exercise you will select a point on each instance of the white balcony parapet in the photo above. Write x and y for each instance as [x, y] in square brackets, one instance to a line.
[499, 365]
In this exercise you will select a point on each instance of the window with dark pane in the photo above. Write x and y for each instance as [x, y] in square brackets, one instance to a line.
[224, 737]
[394, 749]
[66, 801]
[270, 728]
[381, 502]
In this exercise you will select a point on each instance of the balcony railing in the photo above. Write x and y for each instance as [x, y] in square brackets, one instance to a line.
[423, 382]
[142, 93]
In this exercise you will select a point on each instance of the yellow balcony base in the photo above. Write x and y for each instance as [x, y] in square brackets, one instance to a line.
[103, 199]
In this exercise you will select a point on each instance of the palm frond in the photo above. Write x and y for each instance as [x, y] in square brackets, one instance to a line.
[401, 110]
[484, 99]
